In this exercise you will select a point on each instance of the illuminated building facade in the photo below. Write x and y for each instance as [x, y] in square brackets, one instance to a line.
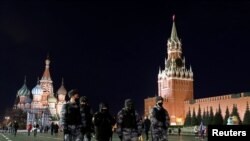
[175, 85]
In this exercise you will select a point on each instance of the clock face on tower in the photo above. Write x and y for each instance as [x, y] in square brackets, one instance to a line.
[178, 62]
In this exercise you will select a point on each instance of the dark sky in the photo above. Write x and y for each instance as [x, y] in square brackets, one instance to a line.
[112, 50]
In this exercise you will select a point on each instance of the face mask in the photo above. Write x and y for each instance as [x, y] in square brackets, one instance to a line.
[130, 106]
[160, 104]
[104, 110]
[77, 100]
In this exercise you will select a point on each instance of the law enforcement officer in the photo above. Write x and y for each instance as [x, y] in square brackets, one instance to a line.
[86, 118]
[129, 123]
[159, 121]
[103, 123]
[71, 117]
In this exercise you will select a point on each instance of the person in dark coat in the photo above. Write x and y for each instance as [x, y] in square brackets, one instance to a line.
[52, 126]
[29, 128]
[86, 118]
[146, 125]
[71, 118]
[179, 131]
[56, 127]
[16, 126]
[129, 123]
[35, 128]
[103, 123]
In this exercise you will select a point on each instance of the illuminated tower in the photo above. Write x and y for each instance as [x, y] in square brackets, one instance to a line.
[24, 97]
[175, 81]
[37, 92]
[61, 93]
[46, 84]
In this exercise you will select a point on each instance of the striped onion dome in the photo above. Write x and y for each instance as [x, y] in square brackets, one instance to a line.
[37, 90]
[24, 91]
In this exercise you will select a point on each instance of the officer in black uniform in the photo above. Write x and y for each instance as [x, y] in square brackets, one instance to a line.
[71, 118]
[103, 123]
[86, 118]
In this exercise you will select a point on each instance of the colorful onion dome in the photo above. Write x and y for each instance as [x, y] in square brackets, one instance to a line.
[24, 91]
[62, 89]
[37, 90]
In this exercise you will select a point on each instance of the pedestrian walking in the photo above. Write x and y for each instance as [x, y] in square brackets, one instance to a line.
[146, 125]
[52, 126]
[56, 128]
[202, 130]
[179, 131]
[16, 126]
[29, 128]
[35, 128]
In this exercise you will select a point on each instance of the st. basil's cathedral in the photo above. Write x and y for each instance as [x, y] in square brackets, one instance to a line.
[41, 103]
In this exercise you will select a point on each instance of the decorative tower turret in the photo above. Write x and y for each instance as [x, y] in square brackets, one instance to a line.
[52, 104]
[37, 92]
[23, 93]
[175, 82]
[61, 97]
[46, 84]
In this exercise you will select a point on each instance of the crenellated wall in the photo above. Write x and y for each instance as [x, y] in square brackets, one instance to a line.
[240, 100]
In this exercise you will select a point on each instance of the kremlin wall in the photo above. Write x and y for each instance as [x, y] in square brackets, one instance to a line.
[175, 85]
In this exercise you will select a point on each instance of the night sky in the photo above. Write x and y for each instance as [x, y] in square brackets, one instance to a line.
[112, 50]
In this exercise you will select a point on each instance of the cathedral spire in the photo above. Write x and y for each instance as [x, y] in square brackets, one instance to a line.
[46, 73]
[62, 81]
[24, 79]
[37, 81]
[174, 36]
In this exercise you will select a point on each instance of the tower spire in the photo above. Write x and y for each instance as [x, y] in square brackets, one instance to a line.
[174, 32]
[24, 79]
[62, 81]
[37, 82]
[46, 73]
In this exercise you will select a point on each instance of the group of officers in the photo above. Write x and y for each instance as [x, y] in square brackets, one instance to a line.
[78, 121]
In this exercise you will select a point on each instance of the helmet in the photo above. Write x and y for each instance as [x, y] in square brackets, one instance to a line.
[83, 99]
[129, 104]
[103, 106]
[158, 98]
[72, 92]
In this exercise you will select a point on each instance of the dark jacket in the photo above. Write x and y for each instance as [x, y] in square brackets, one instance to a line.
[86, 118]
[103, 123]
